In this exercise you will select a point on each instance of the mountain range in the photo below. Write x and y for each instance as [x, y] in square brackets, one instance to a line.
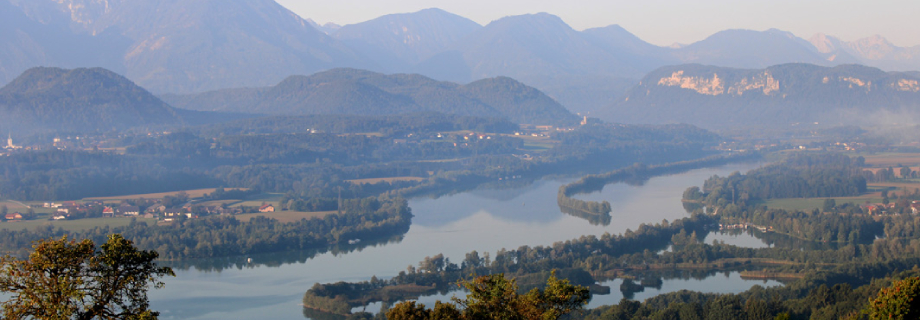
[361, 92]
[778, 96]
[169, 45]
[182, 47]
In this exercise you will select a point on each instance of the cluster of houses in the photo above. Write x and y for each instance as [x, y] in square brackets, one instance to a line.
[156, 209]
[69, 209]
[882, 208]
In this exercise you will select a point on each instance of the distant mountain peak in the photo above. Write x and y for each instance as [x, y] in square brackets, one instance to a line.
[824, 43]
[542, 17]
[81, 100]
[874, 47]
[327, 28]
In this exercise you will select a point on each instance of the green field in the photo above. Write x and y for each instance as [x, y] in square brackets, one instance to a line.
[73, 225]
[812, 203]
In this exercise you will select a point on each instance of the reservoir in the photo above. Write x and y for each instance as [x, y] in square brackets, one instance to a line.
[486, 219]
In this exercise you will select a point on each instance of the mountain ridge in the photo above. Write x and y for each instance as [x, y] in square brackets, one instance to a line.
[79, 100]
[353, 91]
[780, 95]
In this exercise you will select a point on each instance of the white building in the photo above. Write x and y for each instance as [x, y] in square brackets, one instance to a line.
[9, 143]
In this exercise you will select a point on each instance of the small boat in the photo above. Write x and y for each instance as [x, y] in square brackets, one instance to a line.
[354, 241]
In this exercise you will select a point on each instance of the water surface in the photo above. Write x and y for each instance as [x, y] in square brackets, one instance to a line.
[486, 220]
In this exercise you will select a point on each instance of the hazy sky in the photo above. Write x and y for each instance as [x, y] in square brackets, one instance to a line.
[661, 22]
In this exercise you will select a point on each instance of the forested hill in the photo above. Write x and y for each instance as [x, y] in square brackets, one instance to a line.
[79, 100]
[359, 92]
[782, 95]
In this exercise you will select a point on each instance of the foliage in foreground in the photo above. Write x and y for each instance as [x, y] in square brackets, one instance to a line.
[66, 279]
[494, 297]
[900, 301]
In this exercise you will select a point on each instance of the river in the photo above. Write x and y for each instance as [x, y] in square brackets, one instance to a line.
[486, 219]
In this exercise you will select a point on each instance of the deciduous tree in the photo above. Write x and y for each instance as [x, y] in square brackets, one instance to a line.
[66, 279]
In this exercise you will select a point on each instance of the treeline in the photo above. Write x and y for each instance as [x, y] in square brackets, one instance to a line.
[798, 176]
[226, 236]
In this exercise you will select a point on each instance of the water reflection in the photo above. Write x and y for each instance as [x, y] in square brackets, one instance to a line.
[277, 259]
[503, 215]
[651, 284]
[751, 238]
[700, 281]
[593, 219]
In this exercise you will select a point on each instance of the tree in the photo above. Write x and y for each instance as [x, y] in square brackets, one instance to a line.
[495, 297]
[829, 205]
[899, 301]
[66, 279]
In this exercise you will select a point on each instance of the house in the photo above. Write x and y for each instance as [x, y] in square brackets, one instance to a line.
[129, 210]
[13, 216]
[267, 208]
[108, 212]
[173, 213]
[59, 217]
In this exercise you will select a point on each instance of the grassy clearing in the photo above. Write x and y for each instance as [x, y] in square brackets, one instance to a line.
[14, 205]
[387, 180]
[537, 146]
[897, 185]
[217, 203]
[74, 225]
[805, 204]
[198, 193]
[285, 216]
[886, 160]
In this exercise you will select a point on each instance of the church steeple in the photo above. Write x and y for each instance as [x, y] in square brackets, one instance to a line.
[9, 141]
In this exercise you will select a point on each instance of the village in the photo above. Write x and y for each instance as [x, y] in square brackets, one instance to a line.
[165, 210]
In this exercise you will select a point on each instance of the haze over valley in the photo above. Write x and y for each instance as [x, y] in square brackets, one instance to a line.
[233, 159]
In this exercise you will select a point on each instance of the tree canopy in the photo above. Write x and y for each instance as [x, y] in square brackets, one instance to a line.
[495, 297]
[900, 301]
[66, 279]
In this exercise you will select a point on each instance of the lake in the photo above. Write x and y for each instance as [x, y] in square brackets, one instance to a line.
[486, 219]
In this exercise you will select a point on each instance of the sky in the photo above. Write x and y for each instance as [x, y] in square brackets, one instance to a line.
[660, 22]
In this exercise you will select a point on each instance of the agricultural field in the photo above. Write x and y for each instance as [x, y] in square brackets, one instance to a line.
[885, 160]
[74, 225]
[14, 205]
[806, 204]
[191, 194]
